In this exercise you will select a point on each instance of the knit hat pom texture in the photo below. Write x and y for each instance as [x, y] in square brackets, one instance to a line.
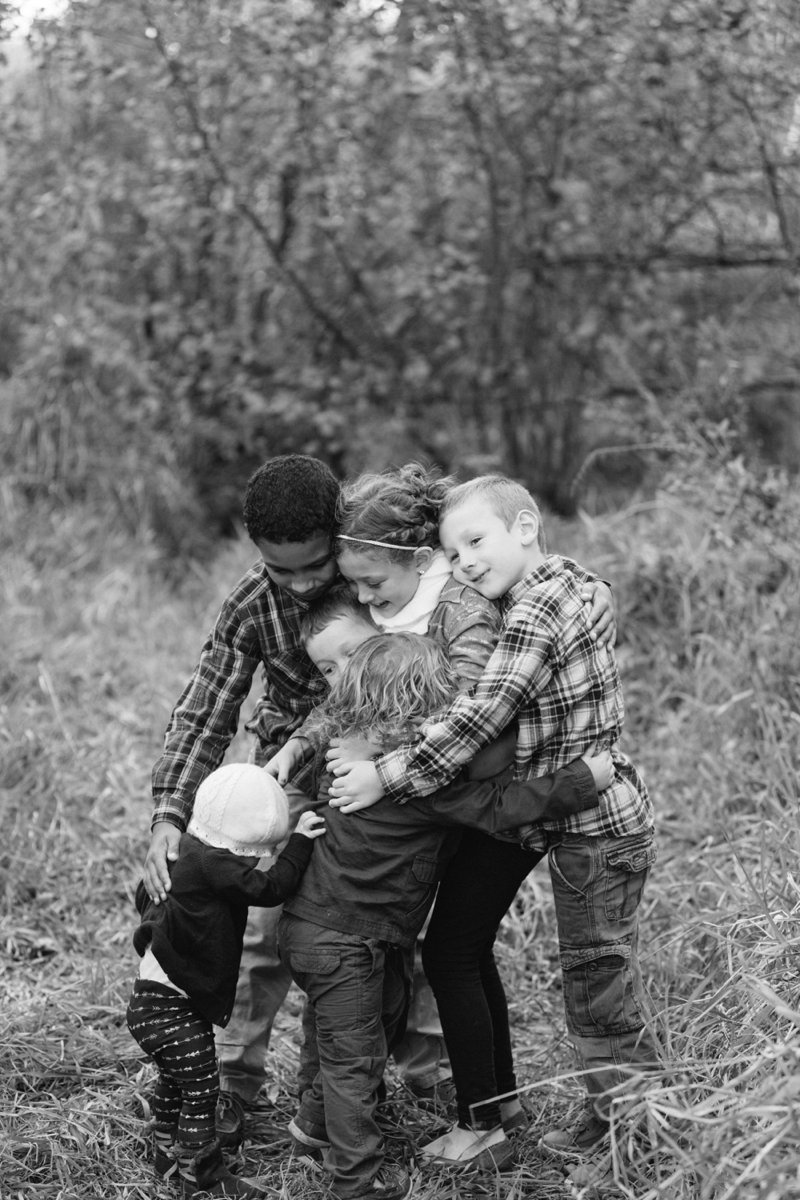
[240, 808]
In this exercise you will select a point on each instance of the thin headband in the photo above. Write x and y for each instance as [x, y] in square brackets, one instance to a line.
[343, 537]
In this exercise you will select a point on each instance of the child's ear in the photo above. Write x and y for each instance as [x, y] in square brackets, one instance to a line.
[422, 558]
[528, 523]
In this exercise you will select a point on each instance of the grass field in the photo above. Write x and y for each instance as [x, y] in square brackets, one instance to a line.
[96, 645]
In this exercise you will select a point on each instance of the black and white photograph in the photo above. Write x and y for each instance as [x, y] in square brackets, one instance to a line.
[400, 599]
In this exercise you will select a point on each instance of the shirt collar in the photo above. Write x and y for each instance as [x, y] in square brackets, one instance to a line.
[552, 566]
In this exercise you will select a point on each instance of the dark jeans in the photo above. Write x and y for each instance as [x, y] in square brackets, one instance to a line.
[357, 991]
[597, 887]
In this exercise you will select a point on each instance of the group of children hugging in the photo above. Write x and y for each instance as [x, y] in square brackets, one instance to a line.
[441, 711]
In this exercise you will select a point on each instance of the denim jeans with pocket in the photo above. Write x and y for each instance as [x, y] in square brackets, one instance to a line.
[357, 989]
[597, 885]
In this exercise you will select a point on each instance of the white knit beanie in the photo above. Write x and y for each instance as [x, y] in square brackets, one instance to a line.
[240, 808]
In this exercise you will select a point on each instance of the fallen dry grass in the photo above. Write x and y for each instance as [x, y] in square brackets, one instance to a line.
[95, 648]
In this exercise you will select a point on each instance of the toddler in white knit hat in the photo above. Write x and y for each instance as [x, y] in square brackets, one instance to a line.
[191, 945]
[242, 809]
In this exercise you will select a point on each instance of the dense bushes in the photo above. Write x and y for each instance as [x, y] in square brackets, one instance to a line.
[485, 236]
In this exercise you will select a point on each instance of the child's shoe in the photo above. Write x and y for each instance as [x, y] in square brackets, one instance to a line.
[441, 1094]
[309, 1141]
[515, 1123]
[257, 1118]
[229, 1121]
[588, 1135]
[391, 1183]
[308, 1133]
[205, 1174]
[462, 1145]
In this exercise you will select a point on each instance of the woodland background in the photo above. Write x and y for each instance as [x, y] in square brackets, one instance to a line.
[555, 239]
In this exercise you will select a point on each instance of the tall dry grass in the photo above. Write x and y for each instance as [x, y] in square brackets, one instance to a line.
[95, 647]
[710, 653]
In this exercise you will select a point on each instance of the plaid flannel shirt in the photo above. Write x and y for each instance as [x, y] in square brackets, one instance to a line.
[257, 626]
[562, 689]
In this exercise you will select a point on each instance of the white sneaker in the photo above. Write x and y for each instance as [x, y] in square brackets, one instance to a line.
[478, 1147]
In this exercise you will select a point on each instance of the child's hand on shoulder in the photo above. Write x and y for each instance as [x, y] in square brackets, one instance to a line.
[350, 749]
[602, 767]
[602, 614]
[311, 824]
[288, 759]
[355, 786]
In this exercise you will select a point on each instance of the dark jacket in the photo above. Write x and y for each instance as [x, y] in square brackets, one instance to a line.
[196, 933]
[374, 872]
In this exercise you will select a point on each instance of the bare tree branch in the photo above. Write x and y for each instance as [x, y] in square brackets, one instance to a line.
[177, 74]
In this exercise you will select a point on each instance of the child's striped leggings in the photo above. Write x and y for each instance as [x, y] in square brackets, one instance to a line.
[181, 1043]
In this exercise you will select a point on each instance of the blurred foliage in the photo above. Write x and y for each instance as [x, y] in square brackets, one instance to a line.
[485, 234]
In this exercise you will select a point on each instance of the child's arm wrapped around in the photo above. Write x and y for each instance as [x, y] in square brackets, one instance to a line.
[503, 805]
[396, 684]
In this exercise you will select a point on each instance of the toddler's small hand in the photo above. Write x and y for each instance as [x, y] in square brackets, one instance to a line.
[311, 824]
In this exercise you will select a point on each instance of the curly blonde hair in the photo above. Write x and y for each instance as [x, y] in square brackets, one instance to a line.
[392, 683]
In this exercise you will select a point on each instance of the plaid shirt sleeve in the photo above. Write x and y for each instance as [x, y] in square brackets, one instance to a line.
[517, 667]
[255, 626]
[204, 720]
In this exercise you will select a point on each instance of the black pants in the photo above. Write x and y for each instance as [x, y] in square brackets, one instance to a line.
[476, 891]
[181, 1043]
